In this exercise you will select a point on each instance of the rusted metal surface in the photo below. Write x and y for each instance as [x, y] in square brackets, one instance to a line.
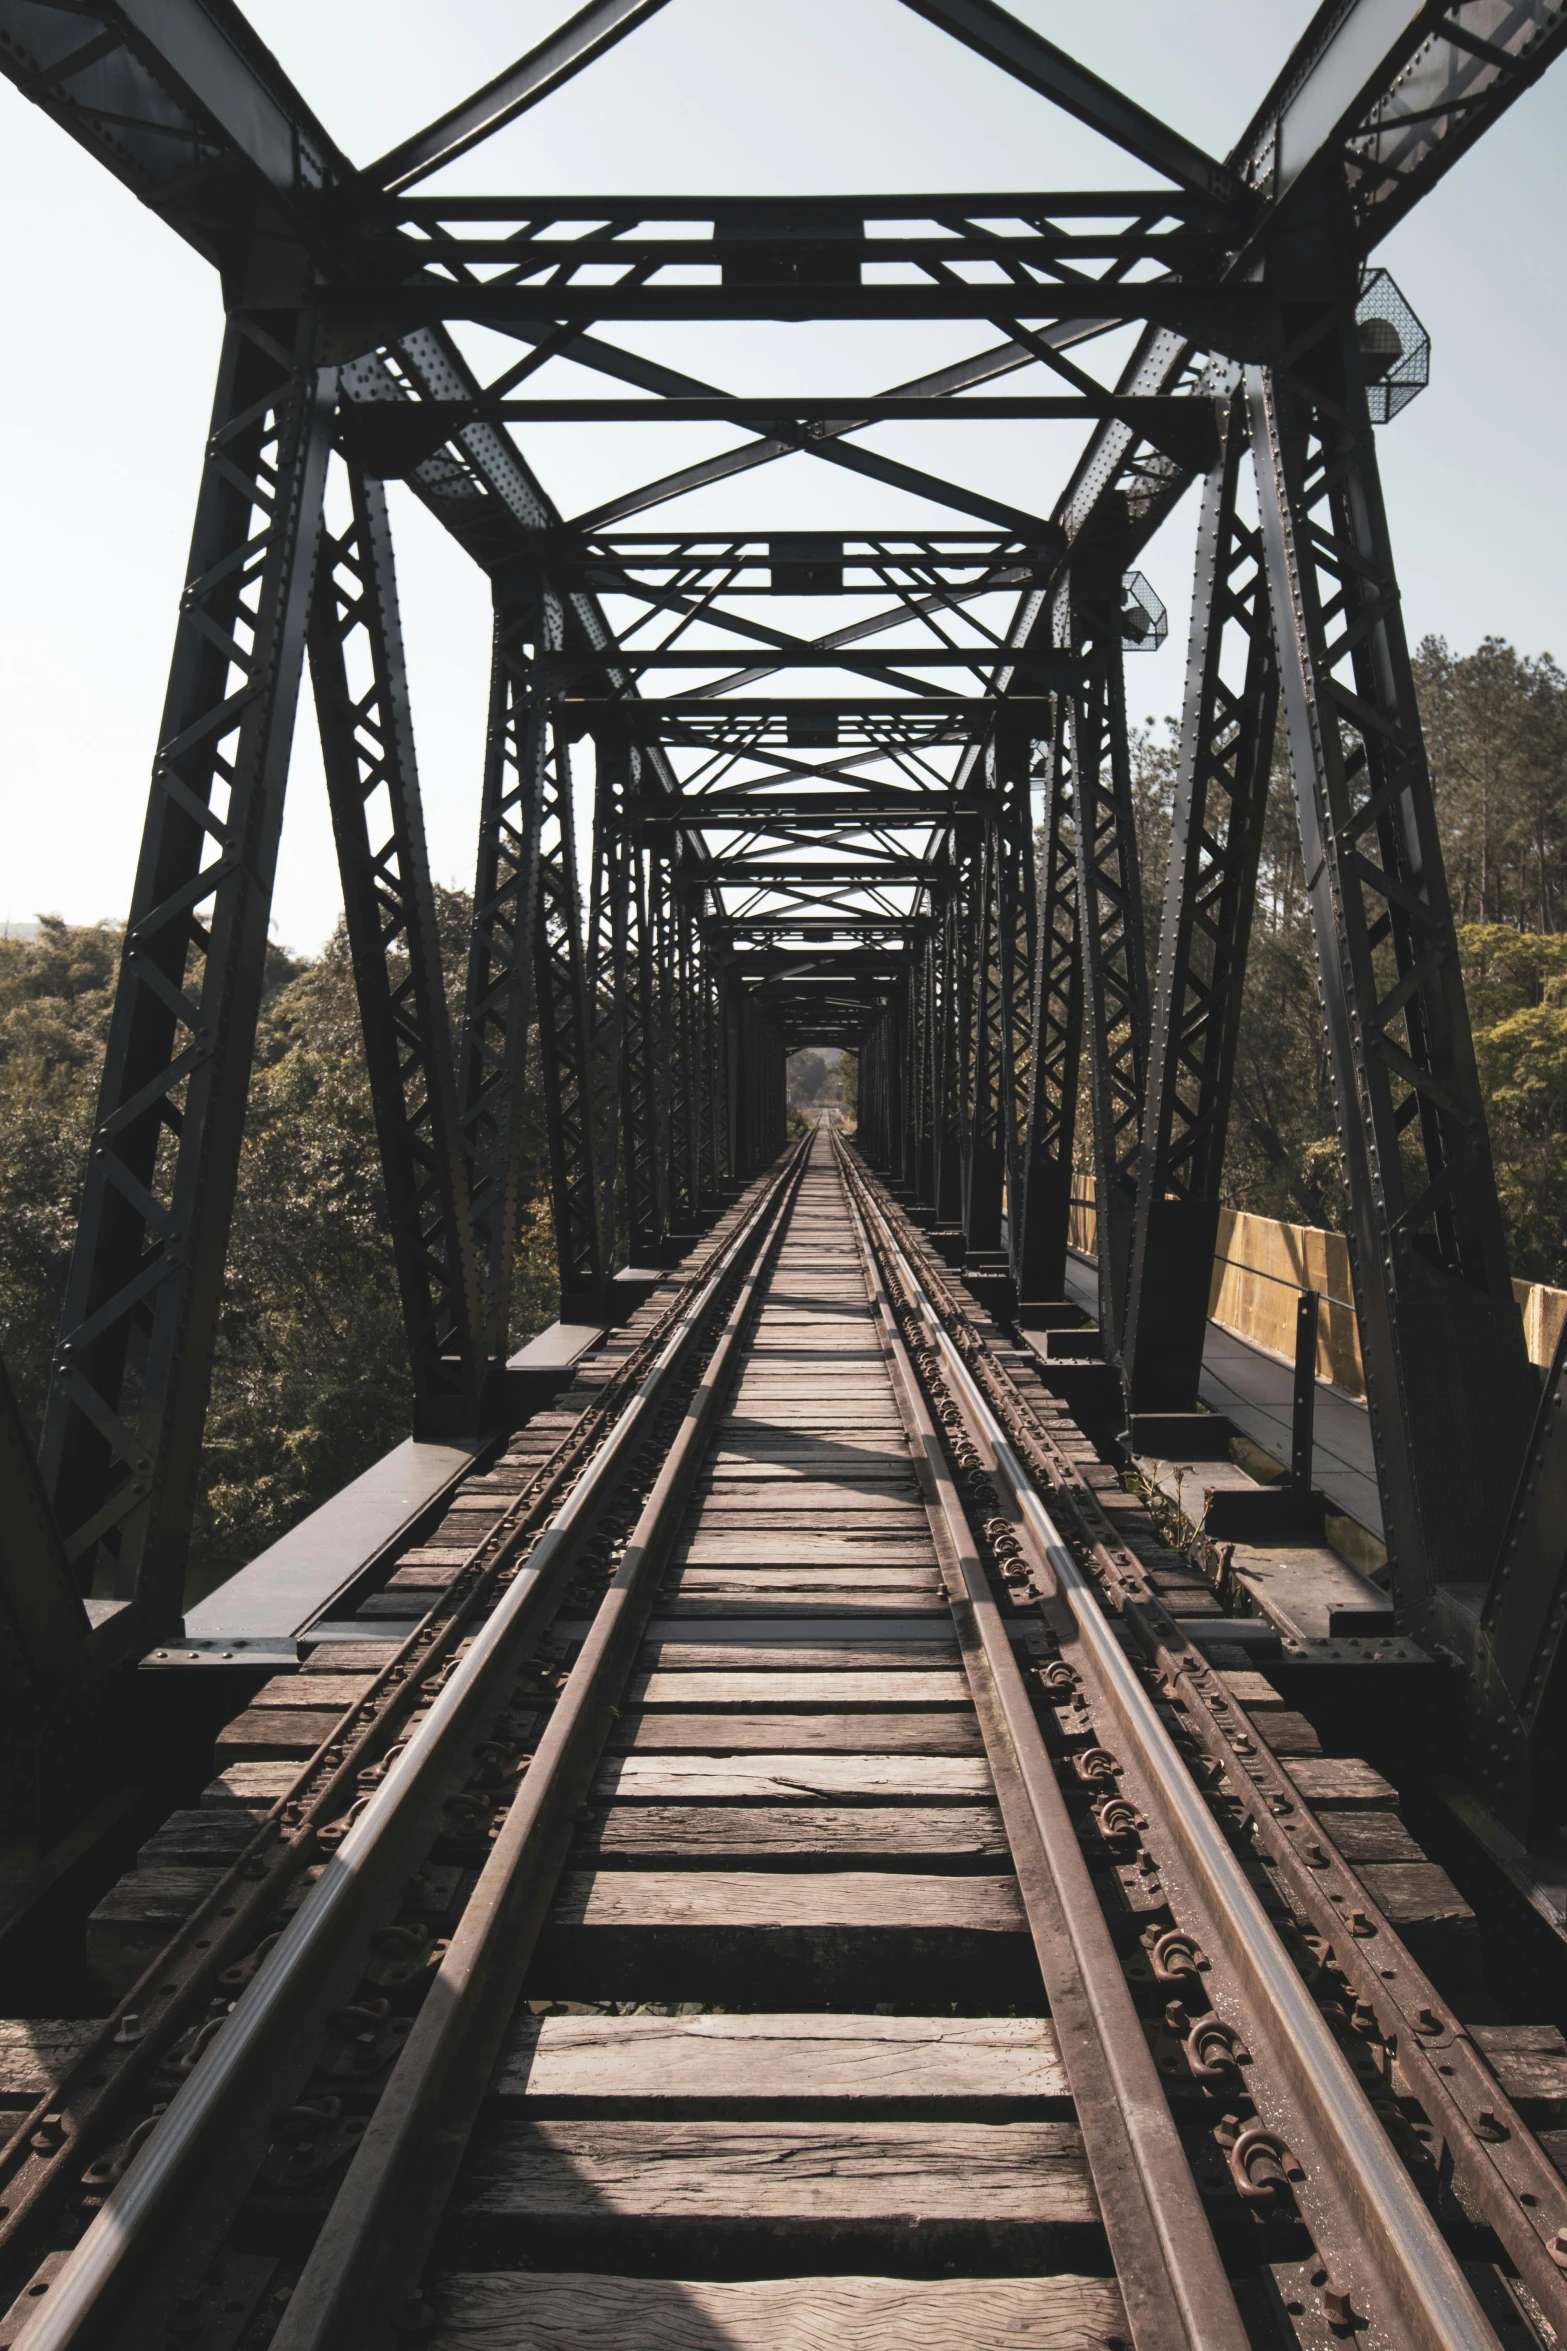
[1171, 2276]
[1384, 2246]
[1504, 2172]
[41, 2166]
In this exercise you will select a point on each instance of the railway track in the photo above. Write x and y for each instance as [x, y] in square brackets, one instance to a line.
[798, 1884]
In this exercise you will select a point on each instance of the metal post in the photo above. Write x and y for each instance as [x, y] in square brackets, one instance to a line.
[566, 1056]
[1518, 1727]
[1447, 1379]
[500, 987]
[1056, 1025]
[1210, 890]
[367, 746]
[123, 1428]
[1304, 1409]
[1115, 997]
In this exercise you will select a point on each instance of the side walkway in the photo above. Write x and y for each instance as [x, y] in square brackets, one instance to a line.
[1253, 1389]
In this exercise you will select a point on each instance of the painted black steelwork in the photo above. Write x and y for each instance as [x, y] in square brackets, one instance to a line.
[933, 861]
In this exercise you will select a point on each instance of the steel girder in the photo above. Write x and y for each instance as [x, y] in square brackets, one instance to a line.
[122, 1431]
[367, 747]
[1517, 1746]
[1110, 933]
[1210, 888]
[964, 1068]
[999, 955]
[1039, 1238]
[567, 1047]
[498, 1004]
[1447, 1379]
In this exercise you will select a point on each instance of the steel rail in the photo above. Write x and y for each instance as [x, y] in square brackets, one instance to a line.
[1424, 2282]
[1502, 2172]
[41, 2159]
[365, 2267]
[221, 2115]
[1167, 2264]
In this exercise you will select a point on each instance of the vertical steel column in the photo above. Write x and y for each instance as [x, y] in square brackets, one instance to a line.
[1221, 800]
[500, 987]
[948, 1052]
[566, 1056]
[1056, 1027]
[1014, 955]
[643, 1137]
[1518, 1728]
[367, 749]
[922, 1109]
[123, 1429]
[985, 1157]
[684, 1074]
[1110, 914]
[613, 1009]
[1447, 1379]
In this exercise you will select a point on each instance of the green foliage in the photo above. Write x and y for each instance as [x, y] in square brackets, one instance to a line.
[810, 1077]
[56, 992]
[1517, 988]
[1495, 725]
[310, 1378]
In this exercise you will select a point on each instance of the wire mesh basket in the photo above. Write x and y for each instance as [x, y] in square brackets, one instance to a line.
[1395, 349]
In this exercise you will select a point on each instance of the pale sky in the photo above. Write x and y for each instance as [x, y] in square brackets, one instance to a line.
[115, 329]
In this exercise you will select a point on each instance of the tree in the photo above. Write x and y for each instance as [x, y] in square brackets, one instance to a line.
[1496, 734]
[808, 1075]
[310, 1377]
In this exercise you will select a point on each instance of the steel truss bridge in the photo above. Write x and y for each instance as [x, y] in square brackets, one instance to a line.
[712, 830]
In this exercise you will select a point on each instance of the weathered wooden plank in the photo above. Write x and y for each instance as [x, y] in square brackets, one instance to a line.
[250, 1783]
[1534, 2076]
[908, 1600]
[554, 2063]
[914, 1733]
[1290, 1734]
[1421, 1901]
[1414, 1891]
[813, 1654]
[135, 1919]
[262, 1731]
[1373, 1836]
[763, 1901]
[880, 1505]
[820, 1836]
[870, 1477]
[767, 1549]
[766, 1582]
[1253, 1690]
[792, 1779]
[1340, 1781]
[670, 1687]
[341, 1690]
[424, 1578]
[349, 1657]
[895, 2176]
[35, 2052]
[199, 1840]
[510, 2311]
[1518, 2040]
